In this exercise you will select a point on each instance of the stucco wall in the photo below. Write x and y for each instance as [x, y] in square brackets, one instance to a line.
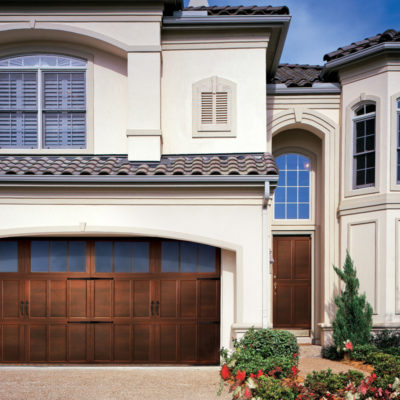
[231, 220]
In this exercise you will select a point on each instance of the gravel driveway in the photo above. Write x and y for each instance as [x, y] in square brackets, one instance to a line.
[109, 383]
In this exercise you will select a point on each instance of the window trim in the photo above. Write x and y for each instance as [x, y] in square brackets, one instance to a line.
[348, 145]
[62, 50]
[356, 119]
[213, 84]
[309, 188]
[314, 180]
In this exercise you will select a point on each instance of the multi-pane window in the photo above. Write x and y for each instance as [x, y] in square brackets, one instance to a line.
[292, 196]
[43, 102]
[364, 146]
[398, 141]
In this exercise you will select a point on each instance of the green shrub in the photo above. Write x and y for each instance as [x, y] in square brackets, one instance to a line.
[268, 343]
[364, 352]
[330, 352]
[353, 320]
[272, 389]
[325, 381]
[388, 341]
[264, 349]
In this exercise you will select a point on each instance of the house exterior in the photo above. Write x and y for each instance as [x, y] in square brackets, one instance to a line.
[166, 184]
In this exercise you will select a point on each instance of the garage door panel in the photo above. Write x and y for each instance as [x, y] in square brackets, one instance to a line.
[122, 298]
[37, 298]
[122, 343]
[187, 299]
[58, 298]
[187, 342]
[78, 298]
[10, 298]
[141, 298]
[168, 299]
[12, 342]
[208, 340]
[58, 343]
[168, 345]
[141, 343]
[77, 342]
[102, 298]
[37, 350]
[102, 335]
[208, 302]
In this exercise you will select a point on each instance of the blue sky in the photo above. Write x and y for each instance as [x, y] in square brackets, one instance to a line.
[321, 26]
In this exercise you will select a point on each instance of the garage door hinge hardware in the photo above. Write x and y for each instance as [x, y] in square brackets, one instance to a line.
[90, 322]
[90, 279]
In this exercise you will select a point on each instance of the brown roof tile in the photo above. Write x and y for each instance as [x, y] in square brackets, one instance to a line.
[297, 75]
[390, 35]
[241, 10]
[229, 164]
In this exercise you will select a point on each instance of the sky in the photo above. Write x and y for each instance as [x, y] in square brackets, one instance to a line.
[321, 26]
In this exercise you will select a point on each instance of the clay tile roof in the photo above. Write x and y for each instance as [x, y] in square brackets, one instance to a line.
[296, 75]
[390, 35]
[227, 164]
[241, 10]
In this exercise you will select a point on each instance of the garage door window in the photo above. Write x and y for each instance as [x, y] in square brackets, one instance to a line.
[120, 256]
[58, 256]
[9, 256]
[187, 257]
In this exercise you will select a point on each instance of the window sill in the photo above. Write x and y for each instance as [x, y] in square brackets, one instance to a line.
[45, 151]
[214, 134]
[361, 191]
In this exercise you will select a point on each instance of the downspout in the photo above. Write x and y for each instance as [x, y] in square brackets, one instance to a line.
[266, 270]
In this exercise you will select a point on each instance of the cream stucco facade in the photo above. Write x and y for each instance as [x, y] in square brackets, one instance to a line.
[142, 65]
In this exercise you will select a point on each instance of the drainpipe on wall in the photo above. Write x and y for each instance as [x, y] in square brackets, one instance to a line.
[266, 257]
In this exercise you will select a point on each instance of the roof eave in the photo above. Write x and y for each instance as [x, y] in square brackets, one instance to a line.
[369, 52]
[278, 24]
[128, 180]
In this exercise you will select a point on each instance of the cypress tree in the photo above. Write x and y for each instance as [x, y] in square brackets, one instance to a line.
[353, 320]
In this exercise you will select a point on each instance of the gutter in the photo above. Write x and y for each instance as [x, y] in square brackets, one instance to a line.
[253, 20]
[320, 88]
[112, 180]
[370, 51]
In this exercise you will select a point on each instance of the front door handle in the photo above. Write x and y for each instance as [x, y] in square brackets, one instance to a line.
[152, 308]
[22, 308]
[27, 308]
[158, 308]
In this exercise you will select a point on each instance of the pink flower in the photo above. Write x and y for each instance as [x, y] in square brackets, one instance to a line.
[349, 346]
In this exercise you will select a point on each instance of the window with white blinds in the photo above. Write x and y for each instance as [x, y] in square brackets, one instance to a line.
[43, 102]
[214, 107]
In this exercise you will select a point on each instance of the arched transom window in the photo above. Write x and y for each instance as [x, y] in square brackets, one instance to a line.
[292, 196]
[364, 146]
[42, 102]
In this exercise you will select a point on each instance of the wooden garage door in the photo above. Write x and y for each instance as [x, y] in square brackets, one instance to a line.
[109, 301]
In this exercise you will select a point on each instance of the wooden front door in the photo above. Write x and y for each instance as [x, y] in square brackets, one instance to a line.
[110, 301]
[292, 282]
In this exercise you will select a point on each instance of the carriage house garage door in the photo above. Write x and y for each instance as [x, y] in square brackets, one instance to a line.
[109, 301]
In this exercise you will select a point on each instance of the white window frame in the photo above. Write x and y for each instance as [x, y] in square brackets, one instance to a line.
[40, 70]
[213, 85]
[356, 119]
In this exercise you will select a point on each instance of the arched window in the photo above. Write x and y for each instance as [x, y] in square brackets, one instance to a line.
[292, 196]
[364, 146]
[398, 140]
[42, 102]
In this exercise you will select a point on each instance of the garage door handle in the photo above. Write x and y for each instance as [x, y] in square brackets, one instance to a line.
[152, 308]
[158, 308]
[27, 308]
[22, 308]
